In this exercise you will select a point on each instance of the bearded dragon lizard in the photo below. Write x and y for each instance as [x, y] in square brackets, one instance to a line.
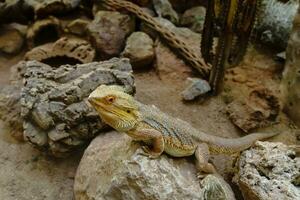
[163, 132]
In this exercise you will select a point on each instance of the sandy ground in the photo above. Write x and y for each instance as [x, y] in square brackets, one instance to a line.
[26, 174]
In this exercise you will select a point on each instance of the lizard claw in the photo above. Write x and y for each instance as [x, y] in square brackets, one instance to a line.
[147, 152]
[201, 175]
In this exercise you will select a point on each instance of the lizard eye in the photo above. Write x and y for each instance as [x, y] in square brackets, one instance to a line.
[128, 111]
[110, 99]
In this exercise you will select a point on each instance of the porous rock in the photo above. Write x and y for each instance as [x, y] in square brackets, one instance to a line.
[194, 18]
[164, 9]
[63, 51]
[275, 22]
[197, 87]
[43, 31]
[260, 109]
[108, 32]
[11, 40]
[112, 168]
[139, 49]
[55, 114]
[290, 86]
[269, 171]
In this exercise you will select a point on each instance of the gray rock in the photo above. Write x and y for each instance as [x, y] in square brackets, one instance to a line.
[108, 32]
[63, 51]
[11, 40]
[194, 18]
[275, 21]
[290, 86]
[56, 115]
[197, 87]
[52, 106]
[164, 9]
[139, 49]
[111, 168]
[269, 171]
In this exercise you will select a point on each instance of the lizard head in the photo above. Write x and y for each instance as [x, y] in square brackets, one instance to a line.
[115, 107]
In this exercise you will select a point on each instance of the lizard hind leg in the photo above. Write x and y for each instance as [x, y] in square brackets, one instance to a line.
[202, 157]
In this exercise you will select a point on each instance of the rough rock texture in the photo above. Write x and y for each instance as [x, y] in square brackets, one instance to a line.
[215, 188]
[164, 9]
[63, 51]
[56, 115]
[53, 102]
[45, 8]
[275, 22]
[43, 31]
[78, 27]
[290, 86]
[108, 32]
[11, 40]
[112, 168]
[259, 110]
[197, 87]
[167, 61]
[194, 18]
[269, 171]
[139, 49]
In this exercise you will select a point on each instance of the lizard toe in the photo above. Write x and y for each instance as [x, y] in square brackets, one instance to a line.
[149, 153]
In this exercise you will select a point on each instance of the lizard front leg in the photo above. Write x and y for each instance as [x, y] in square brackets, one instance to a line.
[202, 157]
[156, 139]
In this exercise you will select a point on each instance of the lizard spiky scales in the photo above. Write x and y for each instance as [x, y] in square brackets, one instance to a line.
[165, 133]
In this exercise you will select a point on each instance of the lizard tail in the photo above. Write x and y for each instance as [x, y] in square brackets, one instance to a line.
[232, 145]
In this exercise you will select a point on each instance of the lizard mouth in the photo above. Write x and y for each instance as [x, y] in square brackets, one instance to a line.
[101, 107]
[97, 104]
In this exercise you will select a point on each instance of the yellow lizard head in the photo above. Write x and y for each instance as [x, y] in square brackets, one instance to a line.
[115, 107]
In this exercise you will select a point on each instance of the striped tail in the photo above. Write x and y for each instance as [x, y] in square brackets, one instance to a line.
[233, 145]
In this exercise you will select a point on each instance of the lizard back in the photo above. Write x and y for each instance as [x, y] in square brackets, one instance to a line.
[181, 134]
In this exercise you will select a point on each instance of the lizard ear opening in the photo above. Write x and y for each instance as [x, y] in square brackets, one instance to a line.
[110, 99]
